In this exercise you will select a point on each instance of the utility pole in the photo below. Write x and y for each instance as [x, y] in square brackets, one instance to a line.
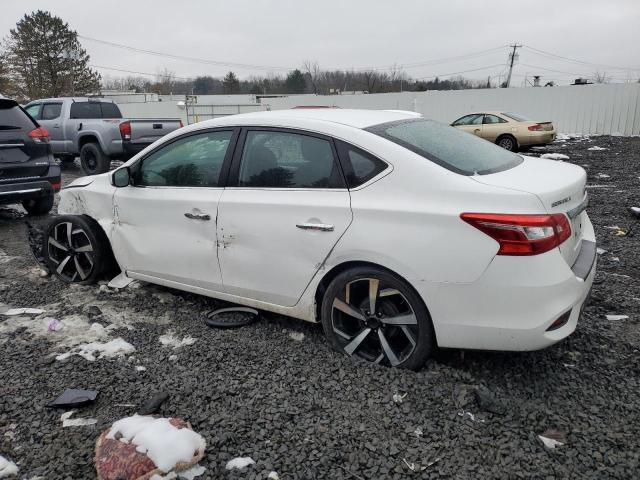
[512, 59]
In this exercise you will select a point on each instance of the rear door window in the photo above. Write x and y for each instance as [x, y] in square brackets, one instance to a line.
[85, 110]
[12, 117]
[493, 119]
[473, 119]
[359, 166]
[110, 110]
[449, 147]
[51, 111]
[276, 159]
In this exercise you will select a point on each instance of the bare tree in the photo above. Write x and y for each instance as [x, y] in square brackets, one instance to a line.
[314, 73]
[601, 77]
[165, 81]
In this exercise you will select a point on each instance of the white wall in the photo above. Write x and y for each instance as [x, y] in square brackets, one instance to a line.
[586, 109]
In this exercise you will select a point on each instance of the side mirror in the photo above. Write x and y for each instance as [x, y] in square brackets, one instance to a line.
[121, 177]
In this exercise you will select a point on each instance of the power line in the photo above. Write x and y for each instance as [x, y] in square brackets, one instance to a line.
[462, 71]
[141, 73]
[183, 57]
[568, 59]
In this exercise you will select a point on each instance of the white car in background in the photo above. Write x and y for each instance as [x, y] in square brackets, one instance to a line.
[398, 233]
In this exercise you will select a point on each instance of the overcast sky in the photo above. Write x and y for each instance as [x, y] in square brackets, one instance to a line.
[353, 33]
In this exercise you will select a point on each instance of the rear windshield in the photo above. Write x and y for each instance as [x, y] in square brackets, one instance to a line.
[449, 147]
[516, 117]
[12, 117]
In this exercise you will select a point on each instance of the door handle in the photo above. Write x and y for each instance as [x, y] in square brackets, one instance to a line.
[56, 125]
[319, 227]
[197, 216]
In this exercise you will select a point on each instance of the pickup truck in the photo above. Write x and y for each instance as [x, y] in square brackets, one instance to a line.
[93, 128]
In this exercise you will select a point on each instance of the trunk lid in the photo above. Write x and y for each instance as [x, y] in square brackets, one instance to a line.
[560, 188]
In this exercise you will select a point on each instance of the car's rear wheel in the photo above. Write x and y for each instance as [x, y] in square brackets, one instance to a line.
[508, 142]
[93, 160]
[75, 250]
[38, 206]
[371, 313]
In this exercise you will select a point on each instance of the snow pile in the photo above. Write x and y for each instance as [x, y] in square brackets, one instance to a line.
[190, 474]
[163, 443]
[596, 148]
[88, 351]
[555, 156]
[170, 340]
[7, 468]
[67, 421]
[23, 311]
[240, 463]
[614, 318]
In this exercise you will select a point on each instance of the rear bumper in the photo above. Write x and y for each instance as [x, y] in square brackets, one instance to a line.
[130, 149]
[538, 138]
[29, 188]
[513, 304]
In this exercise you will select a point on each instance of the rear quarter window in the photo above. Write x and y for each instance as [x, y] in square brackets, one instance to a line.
[85, 110]
[448, 147]
[359, 166]
[110, 110]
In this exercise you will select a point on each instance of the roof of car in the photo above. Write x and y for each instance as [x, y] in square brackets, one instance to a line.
[75, 99]
[354, 118]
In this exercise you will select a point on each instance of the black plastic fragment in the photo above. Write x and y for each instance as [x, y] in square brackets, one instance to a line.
[488, 401]
[232, 317]
[74, 397]
[35, 238]
[152, 405]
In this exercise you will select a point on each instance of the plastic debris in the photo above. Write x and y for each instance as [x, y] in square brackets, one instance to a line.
[418, 432]
[23, 311]
[416, 467]
[74, 397]
[144, 446]
[192, 473]
[232, 317]
[635, 211]
[397, 398]
[35, 238]
[297, 336]
[555, 156]
[152, 405]
[53, 324]
[465, 414]
[7, 468]
[140, 368]
[239, 463]
[67, 421]
[617, 317]
[600, 251]
[603, 175]
[170, 340]
[120, 281]
[552, 438]
[273, 476]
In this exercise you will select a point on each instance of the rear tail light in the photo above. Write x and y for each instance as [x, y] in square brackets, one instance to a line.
[522, 234]
[125, 130]
[181, 124]
[39, 135]
[56, 185]
[560, 322]
[536, 128]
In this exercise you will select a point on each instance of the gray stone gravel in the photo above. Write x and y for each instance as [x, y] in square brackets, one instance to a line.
[301, 410]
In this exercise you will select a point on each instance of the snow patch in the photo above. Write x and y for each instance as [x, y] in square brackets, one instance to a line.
[240, 463]
[7, 468]
[297, 336]
[596, 148]
[555, 156]
[163, 443]
[617, 317]
[91, 351]
[170, 340]
[23, 311]
[140, 368]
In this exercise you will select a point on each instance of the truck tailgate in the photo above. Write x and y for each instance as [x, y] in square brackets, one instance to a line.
[148, 130]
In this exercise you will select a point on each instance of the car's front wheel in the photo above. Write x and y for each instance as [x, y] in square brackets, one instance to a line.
[76, 249]
[371, 313]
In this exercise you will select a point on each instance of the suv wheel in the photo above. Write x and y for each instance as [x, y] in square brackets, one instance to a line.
[92, 160]
[371, 313]
[39, 206]
[76, 249]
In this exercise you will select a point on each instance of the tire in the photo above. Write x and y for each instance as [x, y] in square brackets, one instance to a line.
[364, 333]
[93, 160]
[38, 206]
[508, 142]
[76, 249]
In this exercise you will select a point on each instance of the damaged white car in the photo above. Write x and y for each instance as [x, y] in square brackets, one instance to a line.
[398, 233]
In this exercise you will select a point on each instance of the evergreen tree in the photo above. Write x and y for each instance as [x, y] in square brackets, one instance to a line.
[295, 82]
[45, 59]
[231, 83]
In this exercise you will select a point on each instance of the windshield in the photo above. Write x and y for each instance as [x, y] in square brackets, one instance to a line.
[449, 147]
[516, 117]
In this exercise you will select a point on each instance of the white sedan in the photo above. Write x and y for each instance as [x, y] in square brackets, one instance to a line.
[396, 232]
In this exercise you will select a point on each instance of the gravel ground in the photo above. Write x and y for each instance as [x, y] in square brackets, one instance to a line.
[306, 412]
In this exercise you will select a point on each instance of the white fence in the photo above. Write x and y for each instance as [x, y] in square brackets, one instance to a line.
[586, 109]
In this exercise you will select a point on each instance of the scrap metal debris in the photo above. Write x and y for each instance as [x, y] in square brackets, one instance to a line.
[397, 398]
[553, 438]
[67, 421]
[73, 398]
[232, 317]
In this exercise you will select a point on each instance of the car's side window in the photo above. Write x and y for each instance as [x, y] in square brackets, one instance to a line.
[85, 110]
[34, 111]
[276, 159]
[192, 161]
[359, 166]
[492, 119]
[473, 119]
[51, 111]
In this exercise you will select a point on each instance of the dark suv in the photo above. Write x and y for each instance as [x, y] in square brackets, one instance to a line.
[28, 172]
